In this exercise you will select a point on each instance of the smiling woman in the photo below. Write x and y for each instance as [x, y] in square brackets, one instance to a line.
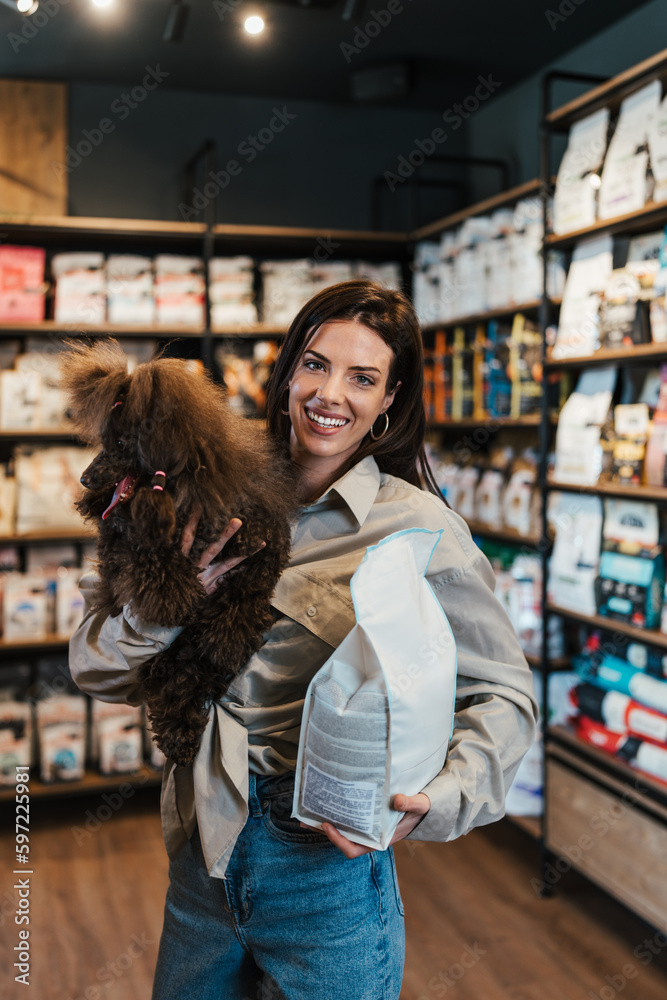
[259, 905]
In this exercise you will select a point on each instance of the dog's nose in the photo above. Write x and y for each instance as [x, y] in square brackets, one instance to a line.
[85, 480]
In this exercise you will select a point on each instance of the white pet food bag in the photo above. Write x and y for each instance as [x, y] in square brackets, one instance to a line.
[378, 716]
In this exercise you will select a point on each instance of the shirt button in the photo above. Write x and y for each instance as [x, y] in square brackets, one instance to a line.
[312, 611]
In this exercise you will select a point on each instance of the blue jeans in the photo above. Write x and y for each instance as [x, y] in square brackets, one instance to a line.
[294, 920]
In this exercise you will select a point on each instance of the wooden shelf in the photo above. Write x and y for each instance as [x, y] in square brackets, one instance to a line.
[484, 317]
[609, 93]
[650, 637]
[653, 493]
[49, 327]
[48, 537]
[634, 355]
[488, 205]
[555, 662]
[27, 645]
[249, 330]
[502, 535]
[86, 225]
[532, 825]
[45, 432]
[652, 216]
[283, 233]
[490, 423]
[614, 765]
[90, 783]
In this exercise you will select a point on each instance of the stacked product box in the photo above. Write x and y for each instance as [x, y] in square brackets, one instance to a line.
[81, 288]
[179, 291]
[621, 701]
[231, 291]
[22, 287]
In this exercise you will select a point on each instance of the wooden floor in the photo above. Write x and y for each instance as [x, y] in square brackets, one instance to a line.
[476, 929]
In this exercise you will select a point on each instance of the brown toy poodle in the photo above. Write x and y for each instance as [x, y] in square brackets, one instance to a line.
[170, 447]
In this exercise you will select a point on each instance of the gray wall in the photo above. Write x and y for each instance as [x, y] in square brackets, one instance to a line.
[317, 171]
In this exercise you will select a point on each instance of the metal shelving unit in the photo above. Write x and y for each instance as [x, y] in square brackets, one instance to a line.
[576, 772]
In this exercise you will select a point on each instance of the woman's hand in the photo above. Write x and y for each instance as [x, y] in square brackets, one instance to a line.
[210, 575]
[414, 807]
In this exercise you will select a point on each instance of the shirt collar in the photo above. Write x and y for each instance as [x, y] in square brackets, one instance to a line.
[358, 488]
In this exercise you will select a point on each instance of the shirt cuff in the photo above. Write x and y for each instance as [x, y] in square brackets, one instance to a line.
[160, 634]
[444, 791]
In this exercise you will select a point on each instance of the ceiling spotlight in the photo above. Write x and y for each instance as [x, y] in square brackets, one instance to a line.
[253, 25]
[27, 6]
[102, 3]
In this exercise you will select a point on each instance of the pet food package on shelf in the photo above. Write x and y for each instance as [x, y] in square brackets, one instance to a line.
[389, 274]
[20, 397]
[468, 478]
[574, 205]
[7, 502]
[657, 144]
[130, 289]
[51, 410]
[488, 507]
[81, 288]
[632, 564]
[15, 739]
[579, 321]
[631, 427]
[117, 735]
[498, 395]
[523, 602]
[26, 606]
[575, 557]
[69, 600]
[231, 291]
[462, 376]
[22, 287]
[246, 368]
[378, 715]
[525, 367]
[520, 502]
[286, 288]
[61, 736]
[426, 282]
[578, 447]
[48, 485]
[524, 796]
[179, 291]
[623, 188]
[656, 448]
[330, 273]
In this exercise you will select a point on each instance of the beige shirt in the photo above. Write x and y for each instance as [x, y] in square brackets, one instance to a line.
[256, 726]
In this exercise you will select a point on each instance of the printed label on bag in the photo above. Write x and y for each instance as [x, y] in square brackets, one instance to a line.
[349, 802]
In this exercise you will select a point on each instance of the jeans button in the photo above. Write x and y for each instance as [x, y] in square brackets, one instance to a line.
[265, 804]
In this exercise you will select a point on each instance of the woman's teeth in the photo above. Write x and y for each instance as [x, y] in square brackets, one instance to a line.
[325, 421]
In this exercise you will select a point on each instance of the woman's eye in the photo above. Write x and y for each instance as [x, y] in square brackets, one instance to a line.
[364, 380]
[317, 365]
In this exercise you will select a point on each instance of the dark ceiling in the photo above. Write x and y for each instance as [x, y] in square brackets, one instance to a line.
[306, 50]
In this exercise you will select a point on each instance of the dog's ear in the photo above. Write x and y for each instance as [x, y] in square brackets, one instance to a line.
[93, 377]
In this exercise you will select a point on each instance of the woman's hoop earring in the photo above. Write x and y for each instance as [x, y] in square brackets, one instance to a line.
[285, 412]
[376, 437]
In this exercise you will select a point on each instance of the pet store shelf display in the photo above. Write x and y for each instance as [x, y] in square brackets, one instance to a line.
[90, 289]
[66, 737]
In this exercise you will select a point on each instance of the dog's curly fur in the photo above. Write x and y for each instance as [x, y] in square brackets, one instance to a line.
[178, 421]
